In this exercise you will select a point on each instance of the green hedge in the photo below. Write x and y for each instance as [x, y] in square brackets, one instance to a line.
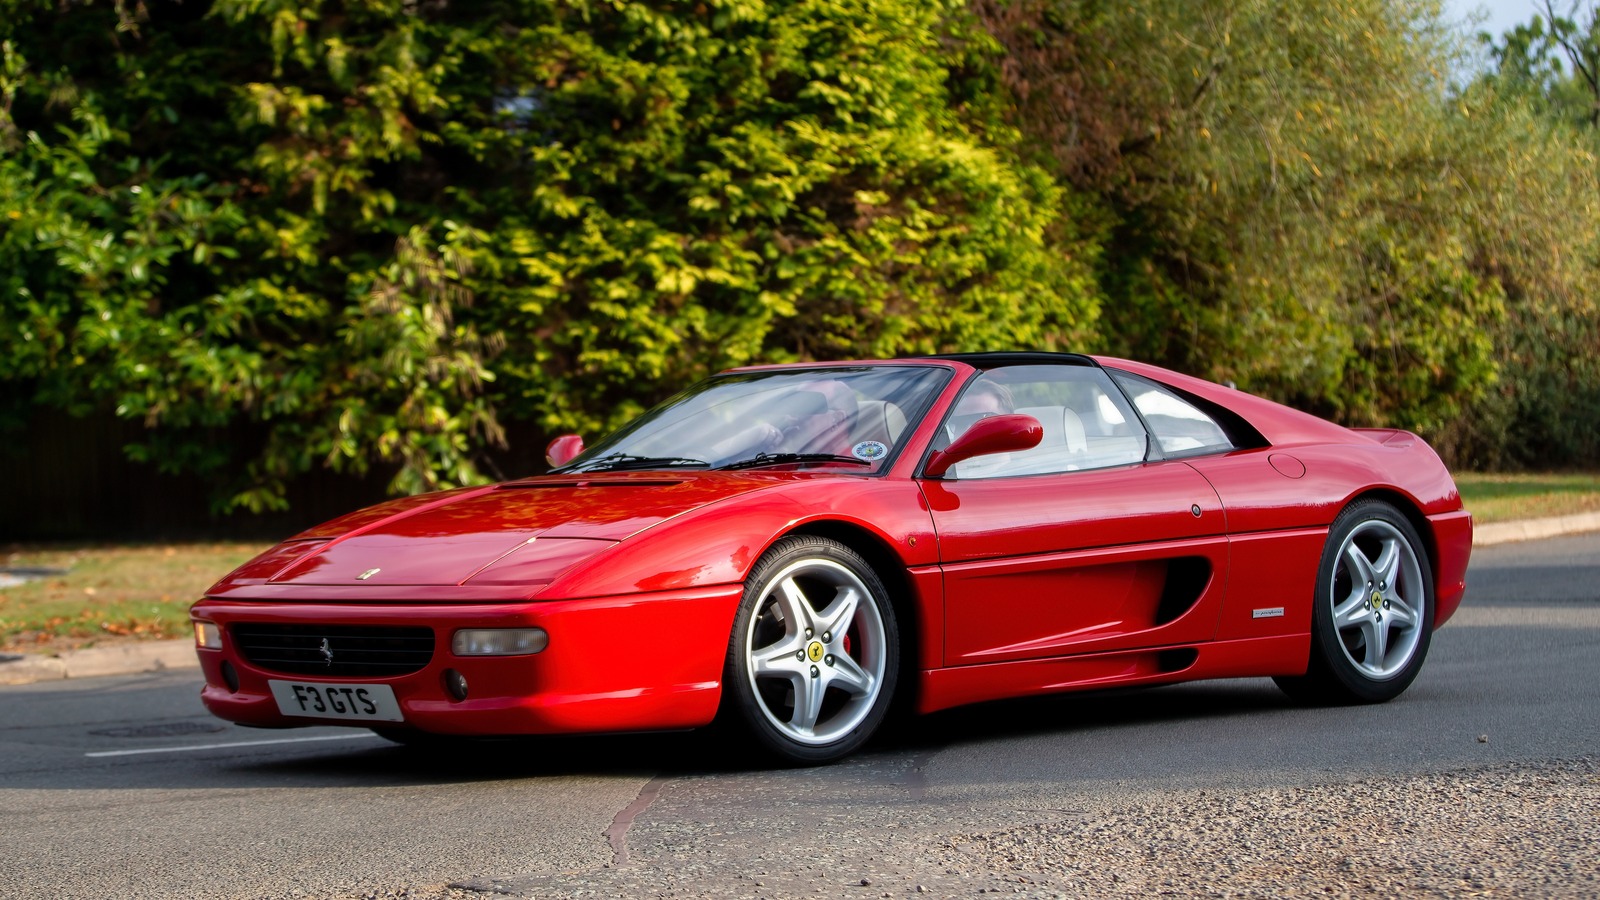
[381, 229]
[376, 233]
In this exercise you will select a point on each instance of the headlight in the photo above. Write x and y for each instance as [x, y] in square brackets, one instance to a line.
[499, 641]
[207, 635]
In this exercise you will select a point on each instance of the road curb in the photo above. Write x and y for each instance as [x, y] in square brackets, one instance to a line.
[161, 656]
[117, 659]
[1534, 529]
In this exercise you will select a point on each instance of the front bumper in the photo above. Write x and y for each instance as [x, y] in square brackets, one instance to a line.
[640, 662]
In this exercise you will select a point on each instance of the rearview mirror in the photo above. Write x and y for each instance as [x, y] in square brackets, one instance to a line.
[563, 450]
[996, 434]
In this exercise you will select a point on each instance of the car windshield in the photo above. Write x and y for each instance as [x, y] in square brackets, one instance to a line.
[849, 417]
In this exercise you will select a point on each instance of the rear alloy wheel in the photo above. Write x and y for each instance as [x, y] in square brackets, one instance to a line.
[814, 655]
[1373, 619]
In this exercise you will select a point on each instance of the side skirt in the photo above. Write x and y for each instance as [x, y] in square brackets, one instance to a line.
[1246, 658]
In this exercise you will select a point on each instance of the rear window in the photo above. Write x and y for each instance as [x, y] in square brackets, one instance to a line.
[1179, 427]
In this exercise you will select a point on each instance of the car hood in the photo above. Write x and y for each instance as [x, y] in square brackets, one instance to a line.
[523, 532]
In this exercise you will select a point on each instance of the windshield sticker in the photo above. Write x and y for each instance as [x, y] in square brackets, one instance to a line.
[870, 451]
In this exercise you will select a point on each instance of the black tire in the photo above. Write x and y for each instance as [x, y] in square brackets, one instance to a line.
[806, 693]
[1373, 619]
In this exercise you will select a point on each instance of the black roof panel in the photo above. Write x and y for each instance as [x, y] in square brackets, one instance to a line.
[994, 358]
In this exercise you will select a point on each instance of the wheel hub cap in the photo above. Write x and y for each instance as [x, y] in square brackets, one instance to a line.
[798, 651]
[1379, 619]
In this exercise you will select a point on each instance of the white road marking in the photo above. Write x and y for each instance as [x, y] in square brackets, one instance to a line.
[300, 740]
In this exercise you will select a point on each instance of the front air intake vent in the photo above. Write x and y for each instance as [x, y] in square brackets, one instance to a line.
[338, 651]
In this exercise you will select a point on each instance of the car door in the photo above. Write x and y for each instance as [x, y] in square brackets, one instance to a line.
[1079, 545]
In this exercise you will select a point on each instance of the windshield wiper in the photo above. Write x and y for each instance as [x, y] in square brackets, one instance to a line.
[777, 459]
[619, 461]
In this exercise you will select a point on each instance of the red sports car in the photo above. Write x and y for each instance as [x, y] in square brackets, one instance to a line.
[799, 547]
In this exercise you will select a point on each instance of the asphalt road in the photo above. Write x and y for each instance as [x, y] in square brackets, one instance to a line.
[1482, 778]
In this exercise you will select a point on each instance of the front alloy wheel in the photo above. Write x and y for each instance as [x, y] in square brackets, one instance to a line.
[814, 654]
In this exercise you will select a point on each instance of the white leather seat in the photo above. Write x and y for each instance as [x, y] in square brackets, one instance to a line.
[1062, 448]
[1062, 428]
[1072, 432]
[1050, 420]
[878, 420]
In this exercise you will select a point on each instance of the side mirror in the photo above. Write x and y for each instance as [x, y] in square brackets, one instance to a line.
[996, 434]
[563, 450]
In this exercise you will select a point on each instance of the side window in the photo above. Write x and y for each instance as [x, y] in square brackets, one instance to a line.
[1180, 428]
[1087, 422]
[981, 398]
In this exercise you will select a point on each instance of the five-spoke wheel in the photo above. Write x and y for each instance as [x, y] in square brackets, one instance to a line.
[814, 656]
[1374, 609]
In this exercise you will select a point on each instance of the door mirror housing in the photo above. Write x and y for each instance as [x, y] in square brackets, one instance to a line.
[563, 450]
[996, 434]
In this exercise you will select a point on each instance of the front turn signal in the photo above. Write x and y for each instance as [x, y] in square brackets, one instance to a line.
[207, 635]
[499, 641]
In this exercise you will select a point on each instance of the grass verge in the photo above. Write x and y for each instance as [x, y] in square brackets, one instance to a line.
[108, 593]
[1533, 495]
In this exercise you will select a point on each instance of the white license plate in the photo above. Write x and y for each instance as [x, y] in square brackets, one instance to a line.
[360, 702]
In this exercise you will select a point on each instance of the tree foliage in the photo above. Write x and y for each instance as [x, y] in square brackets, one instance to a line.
[1290, 195]
[375, 231]
[1544, 245]
[1552, 64]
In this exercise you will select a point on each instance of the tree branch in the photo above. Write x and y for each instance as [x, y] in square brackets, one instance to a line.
[1581, 61]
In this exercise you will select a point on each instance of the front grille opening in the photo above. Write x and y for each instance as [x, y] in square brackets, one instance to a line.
[340, 651]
